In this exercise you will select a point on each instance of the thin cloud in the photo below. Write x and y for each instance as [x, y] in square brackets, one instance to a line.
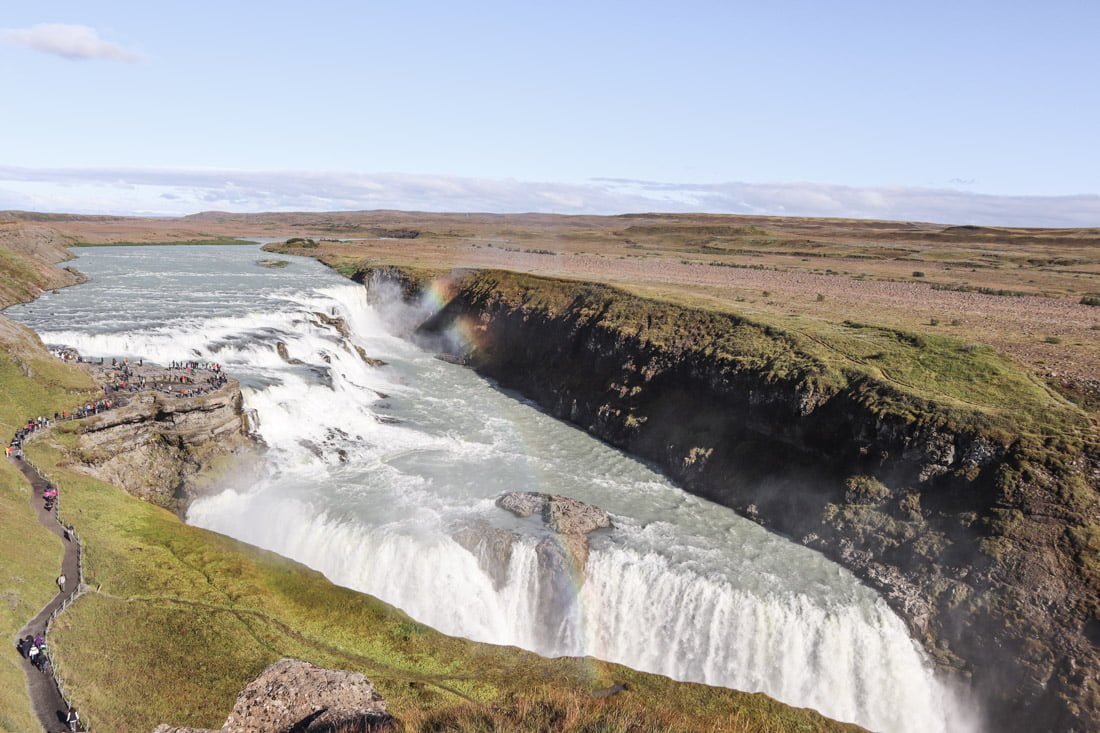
[184, 191]
[73, 42]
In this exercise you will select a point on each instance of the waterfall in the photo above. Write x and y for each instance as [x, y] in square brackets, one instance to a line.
[372, 470]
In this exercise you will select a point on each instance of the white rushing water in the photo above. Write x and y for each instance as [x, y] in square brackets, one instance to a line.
[371, 470]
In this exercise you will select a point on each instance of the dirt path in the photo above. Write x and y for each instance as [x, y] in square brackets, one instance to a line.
[49, 705]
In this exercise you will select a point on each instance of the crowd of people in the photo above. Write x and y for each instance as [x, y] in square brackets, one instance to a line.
[33, 649]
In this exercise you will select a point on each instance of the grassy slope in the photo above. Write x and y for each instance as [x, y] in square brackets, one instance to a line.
[920, 376]
[182, 618]
[31, 555]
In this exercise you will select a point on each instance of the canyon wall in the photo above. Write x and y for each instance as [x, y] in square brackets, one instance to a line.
[983, 541]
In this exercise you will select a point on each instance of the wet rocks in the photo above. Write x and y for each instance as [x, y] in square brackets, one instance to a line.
[562, 554]
[561, 514]
[280, 348]
[292, 695]
[565, 553]
[492, 546]
[335, 322]
[368, 360]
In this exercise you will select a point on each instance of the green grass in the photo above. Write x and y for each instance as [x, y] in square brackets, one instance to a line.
[31, 558]
[215, 241]
[31, 554]
[183, 618]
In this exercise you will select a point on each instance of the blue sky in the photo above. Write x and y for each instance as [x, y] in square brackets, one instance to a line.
[678, 102]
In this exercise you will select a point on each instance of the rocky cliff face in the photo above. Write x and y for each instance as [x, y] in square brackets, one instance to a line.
[986, 546]
[164, 449]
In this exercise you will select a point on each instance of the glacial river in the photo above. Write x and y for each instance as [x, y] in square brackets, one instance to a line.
[372, 469]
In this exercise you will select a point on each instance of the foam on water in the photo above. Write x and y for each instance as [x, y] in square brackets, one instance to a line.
[371, 470]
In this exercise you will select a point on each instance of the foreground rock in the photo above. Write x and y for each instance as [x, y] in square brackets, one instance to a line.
[292, 696]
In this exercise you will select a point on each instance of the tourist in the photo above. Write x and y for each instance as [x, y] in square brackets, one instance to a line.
[61, 582]
[73, 719]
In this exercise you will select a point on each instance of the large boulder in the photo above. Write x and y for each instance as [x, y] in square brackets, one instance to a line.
[560, 513]
[292, 696]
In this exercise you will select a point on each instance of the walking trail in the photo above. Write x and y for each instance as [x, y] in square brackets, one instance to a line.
[49, 705]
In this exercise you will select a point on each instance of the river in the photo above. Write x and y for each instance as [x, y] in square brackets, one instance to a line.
[372, 469]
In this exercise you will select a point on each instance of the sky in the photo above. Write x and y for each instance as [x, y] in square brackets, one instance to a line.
[962, 112]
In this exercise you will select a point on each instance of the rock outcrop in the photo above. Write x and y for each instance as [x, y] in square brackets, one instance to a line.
[292, 696]
[562, 553]
[565, 553]
[284, 354]
[492, 546]
[164, 449]
[560, 513]
[979, 541]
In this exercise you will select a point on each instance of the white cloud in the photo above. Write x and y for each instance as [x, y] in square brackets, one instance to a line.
[74, 42]
[184, 191]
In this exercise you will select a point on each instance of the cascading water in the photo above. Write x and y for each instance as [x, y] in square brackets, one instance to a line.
[372, 471]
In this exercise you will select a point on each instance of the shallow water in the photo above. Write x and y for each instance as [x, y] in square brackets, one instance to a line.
[412, 451]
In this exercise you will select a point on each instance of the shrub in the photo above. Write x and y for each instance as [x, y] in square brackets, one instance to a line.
[865, 490]
[820, 297]
[1052, 340]
[918, 273]
[1091, 299]
[933, 321]
[301, 242]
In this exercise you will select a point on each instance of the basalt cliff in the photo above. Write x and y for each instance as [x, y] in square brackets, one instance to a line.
[984, 540]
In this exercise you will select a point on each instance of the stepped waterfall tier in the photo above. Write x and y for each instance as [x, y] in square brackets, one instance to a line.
[384, 463]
